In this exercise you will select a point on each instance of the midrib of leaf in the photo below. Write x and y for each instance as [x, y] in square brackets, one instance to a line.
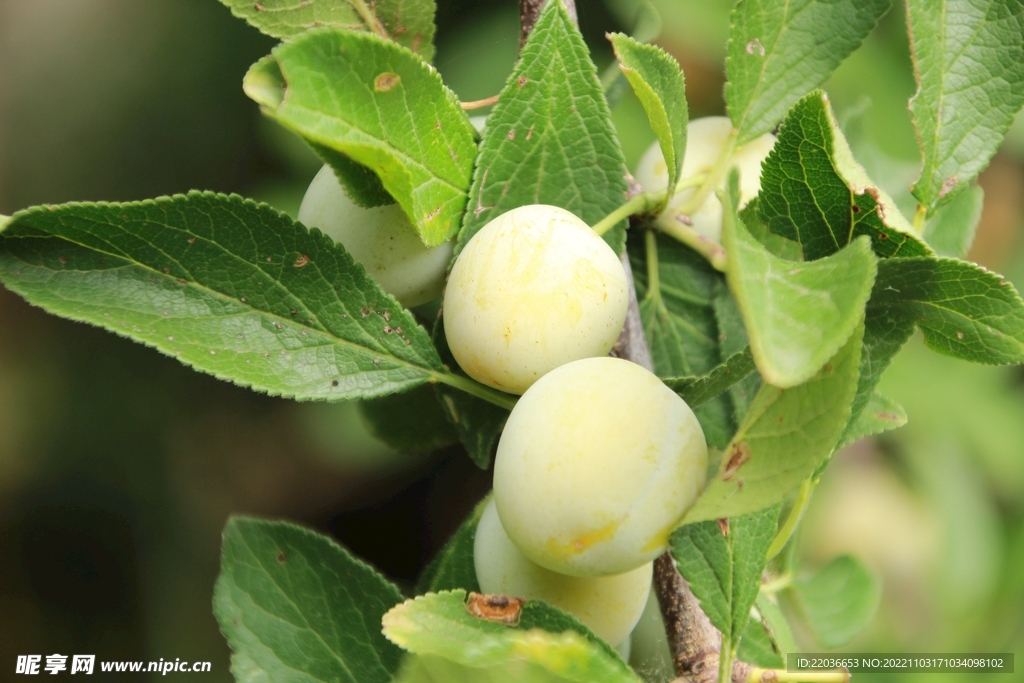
[299, 610]
[405, 158]
[435, 374]
[769, 54]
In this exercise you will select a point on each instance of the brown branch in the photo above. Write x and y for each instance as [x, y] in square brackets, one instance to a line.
[529, 10]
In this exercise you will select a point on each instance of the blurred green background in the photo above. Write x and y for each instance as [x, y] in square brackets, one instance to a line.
[118, 466]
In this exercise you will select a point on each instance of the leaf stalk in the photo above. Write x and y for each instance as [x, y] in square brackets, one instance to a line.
[474, 388]
[370, 18]
[803, 498]
[919, 217]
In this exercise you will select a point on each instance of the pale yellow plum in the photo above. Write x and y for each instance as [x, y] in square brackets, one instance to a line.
[534, 289]
[610, 606]
[598, 463]
[705, 140]
[381, 238]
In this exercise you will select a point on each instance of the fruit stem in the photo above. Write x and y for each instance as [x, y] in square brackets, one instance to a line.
[712, 179]
[919, 217]
[782, 676]
[653, 274]
[474, 388]
[369, 18]
[803, 498]
[706, 247]
[641, 203]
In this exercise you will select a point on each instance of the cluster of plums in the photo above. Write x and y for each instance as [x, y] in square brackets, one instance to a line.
[599, 460]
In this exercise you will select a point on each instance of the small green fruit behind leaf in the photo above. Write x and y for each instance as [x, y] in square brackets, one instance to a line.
[610, 606]
[598, 462]
[534, 289]
[706, 140]
[383, 239]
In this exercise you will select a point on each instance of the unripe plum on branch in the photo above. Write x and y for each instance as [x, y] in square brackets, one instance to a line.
[705, 140]
[534, 289]
[610, 606]
[598, 463]
[381, 238]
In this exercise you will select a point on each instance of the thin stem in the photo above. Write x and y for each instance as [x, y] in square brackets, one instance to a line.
[369, 18]
[653, 274]
[692, 181]
[725, 657]
[712, 180]
[706, 247]
[479, 104]
[777, 584]
[498, 398]
[782, 676]
[641, 203]
[919, 217]
[803, 498]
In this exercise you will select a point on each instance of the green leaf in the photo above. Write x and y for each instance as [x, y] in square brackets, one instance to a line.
[885, 333]
[757, 648]
[361, 184]
[785, 435]
[733, 339]
[964, 310]
[950, 231]
[453, 567]
[969, 63]
[814, 193]
[378, 104]
[722, 561]
[779, 50]
[230, 287]
[659, 85]
[438, 626]
[413, 421]
[407, 22]
[679, 319]
[550, 139]
[775, 622]
[295, 606]
[698, 390]
[777, 245]
[477, 422]
[881, 414]
[797, 314]
[838, 601]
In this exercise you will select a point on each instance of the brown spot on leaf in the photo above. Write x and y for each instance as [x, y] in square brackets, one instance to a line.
[281, 557]
[63, 260]
[948, 186]
[416, 42]
[888, 417]
[739, 455]
[512, 134]
[302, 261]
[501, 609]
[258, 7]
[723, 526]
[386, 81]
[522, 80]
[855, 208]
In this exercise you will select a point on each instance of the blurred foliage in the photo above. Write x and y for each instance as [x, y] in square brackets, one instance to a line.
[118, 466]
